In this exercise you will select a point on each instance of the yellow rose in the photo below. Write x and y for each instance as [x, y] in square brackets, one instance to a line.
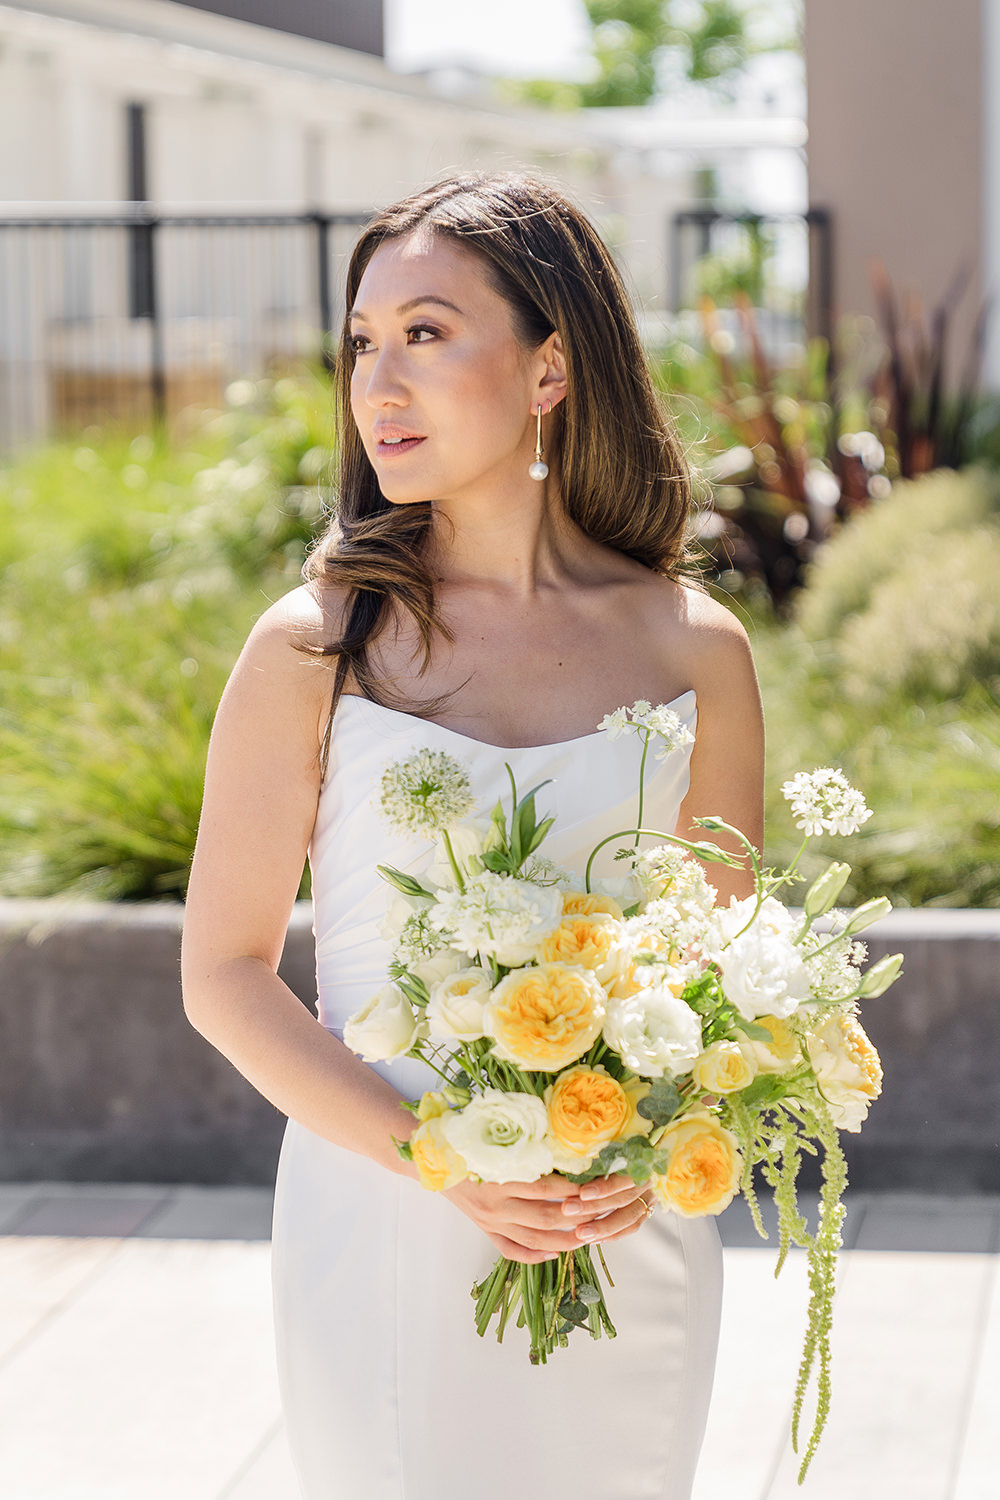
[703, 1173]
[586, 903]
[432, 1104]
[591, 941]
[636, 1124]
[847, 1068]
[782, 1052]
[586, 1109]
[633, 976]
[438, 1163]
[545, 1018]
[722, 1069]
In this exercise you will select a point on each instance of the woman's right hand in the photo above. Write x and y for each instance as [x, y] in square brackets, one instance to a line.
[535, 1221]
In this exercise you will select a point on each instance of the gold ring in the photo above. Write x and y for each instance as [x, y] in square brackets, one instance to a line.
[647, 1206]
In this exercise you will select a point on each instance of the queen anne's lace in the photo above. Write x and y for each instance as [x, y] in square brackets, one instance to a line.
[645, 719]
[823, 801]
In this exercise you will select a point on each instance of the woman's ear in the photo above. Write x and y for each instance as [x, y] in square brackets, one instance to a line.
[552, 375]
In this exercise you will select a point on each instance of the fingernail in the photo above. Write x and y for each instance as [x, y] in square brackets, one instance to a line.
[573, 1206]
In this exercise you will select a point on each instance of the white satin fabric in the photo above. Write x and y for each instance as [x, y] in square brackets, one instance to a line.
[388, 1392]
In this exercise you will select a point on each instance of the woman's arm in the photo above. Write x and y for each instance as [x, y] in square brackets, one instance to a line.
[727, 761]
[261, 789]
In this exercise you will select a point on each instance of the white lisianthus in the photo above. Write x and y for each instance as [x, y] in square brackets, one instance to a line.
[847, 1068]
[501, 1137]
[763, 972]
[455, 1009]
[823, 801]
[499, 917]
[469, 841]
[653, 1031]
[385, 1027]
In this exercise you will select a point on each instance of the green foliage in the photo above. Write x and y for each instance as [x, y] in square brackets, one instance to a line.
[133, 571]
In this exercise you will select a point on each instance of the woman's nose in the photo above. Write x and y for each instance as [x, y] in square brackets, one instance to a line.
[384, 382]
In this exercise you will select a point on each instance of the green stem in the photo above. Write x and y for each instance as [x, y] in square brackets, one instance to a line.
[642, 782]
[459, 878]
[720, 858]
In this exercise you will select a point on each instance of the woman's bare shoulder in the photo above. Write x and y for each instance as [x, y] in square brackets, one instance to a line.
[701, 631]
[307, 618]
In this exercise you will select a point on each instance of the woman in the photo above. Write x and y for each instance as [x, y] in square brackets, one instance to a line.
[472, 602]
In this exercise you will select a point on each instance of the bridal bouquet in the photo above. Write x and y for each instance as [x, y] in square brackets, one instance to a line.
[588, 1027]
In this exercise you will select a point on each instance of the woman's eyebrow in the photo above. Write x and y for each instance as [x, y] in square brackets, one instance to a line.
[406, 307]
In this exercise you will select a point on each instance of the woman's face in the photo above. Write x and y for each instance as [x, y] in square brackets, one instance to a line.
[442, 389]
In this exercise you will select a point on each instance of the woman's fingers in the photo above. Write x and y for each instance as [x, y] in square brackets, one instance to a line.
[622, 1222]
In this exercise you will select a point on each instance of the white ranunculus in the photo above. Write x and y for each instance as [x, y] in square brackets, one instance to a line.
[432, 970]
[385, 1027]
[847, 1068]
[455, 1010]
[499, 917]
[763, 972]
[654, 1031]
[501, 1137]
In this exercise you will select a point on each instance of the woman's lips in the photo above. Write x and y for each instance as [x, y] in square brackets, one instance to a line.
[393, 449]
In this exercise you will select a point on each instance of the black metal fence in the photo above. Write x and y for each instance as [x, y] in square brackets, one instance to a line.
[132, 317]
[782, 262]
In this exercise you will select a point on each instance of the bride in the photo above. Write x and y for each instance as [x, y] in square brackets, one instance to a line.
[506, 567]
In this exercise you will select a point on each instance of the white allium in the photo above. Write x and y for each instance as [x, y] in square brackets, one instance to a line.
[654, 1031]
[499, 917]
[418, 938]
[501, 1136]
[425, 793]
[823, 801]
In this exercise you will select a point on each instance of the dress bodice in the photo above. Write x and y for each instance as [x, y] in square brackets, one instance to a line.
[592, 792]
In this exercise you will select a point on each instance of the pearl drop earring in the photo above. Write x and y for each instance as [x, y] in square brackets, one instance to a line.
[539, 469]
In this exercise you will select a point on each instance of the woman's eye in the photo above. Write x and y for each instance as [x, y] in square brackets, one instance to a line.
[358, 343]
[415, 334]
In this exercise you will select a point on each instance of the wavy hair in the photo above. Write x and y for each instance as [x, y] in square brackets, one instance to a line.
[624, 479]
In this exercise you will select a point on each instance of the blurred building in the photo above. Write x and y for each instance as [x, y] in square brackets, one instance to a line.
[904, 150]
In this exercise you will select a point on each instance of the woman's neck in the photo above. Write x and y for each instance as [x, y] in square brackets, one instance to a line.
[519, 542]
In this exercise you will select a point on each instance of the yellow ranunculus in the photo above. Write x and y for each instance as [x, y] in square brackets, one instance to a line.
[586, 903]
[592, 941]
[723, 1068]
[703, 1173]
[586, 1109]
[438, 1163]
[545, 1018]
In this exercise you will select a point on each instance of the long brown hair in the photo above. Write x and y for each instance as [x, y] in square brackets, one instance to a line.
[624, 480]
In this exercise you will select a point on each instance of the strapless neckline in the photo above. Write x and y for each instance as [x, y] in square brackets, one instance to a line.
[469, 739]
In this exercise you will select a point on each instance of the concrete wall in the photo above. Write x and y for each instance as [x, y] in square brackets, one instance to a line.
[896, 144]
[103, 1079]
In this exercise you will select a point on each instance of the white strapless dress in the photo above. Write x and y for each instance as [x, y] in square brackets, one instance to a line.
[388, 1392]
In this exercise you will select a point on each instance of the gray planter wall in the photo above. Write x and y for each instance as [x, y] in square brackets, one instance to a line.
[103, 1079]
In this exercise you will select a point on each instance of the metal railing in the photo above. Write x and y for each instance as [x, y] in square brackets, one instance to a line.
[129, 317]
[783, 262]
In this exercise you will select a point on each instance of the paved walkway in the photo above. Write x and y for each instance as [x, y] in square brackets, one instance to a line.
[136, 1356]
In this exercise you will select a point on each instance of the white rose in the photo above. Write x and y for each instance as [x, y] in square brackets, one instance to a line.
[455, 1010]
[432, 970]
[385, 1027]
[653, 1031]
[401, 909]
[847, 1068]
[469, 841]
[763, 972]
[501, 1137]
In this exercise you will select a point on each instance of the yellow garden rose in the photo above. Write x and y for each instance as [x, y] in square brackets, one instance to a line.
[632, 976]
[438, 1164]
[590, 940]
[723, 1068]
[586, 1109]
[545, 1018]
[586, 903]
[782, 1052]
[847, 1068]
[703, 1173]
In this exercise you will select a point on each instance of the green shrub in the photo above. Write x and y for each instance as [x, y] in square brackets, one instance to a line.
[873, 546]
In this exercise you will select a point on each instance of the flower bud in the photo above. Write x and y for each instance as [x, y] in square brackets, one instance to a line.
[871, 911]
[823, 892]
[880, 976]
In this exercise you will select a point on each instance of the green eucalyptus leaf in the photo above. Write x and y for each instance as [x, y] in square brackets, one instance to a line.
[661, 1103]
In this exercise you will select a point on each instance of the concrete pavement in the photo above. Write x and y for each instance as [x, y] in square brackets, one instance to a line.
[136, 1358]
